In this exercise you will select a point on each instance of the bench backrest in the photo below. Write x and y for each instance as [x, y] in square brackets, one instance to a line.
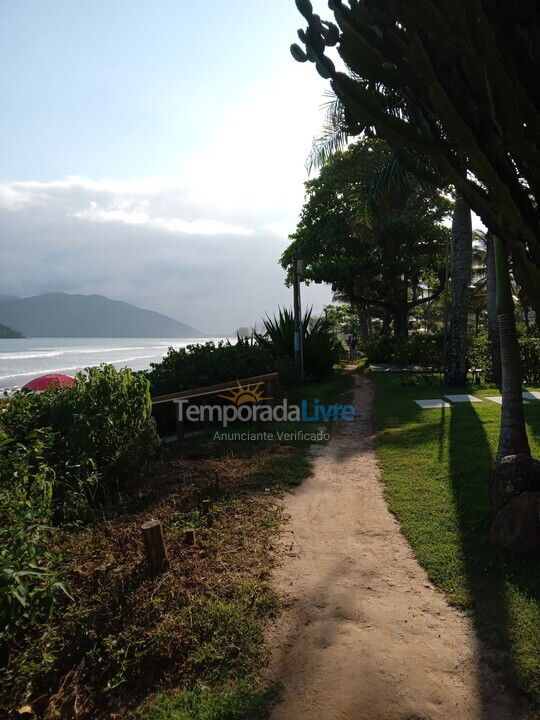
[213, 389]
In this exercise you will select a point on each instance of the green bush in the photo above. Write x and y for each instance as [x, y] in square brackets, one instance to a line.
[62, 454]
[208, 364]
[425, 350]
[480, 356]
[530, 359]
[321, 348]
[29, 583]
[102, 434]
[379, 349]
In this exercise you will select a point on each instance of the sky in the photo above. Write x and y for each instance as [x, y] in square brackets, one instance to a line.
[154, 152]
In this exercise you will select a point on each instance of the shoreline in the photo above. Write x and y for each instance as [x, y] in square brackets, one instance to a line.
[23, 359]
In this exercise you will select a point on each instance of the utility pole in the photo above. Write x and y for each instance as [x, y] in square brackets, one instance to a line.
[298, 335]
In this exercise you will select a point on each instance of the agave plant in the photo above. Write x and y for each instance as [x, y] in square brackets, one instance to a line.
[321, 348]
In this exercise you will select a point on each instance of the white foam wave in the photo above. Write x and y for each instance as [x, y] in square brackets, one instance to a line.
[31, 355]
[38, 373]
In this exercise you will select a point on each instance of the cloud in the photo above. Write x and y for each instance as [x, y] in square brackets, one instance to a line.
[137, 216]
[202, 247]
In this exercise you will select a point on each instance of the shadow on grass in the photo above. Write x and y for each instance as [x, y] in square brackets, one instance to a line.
[436, 468]
[492, 576]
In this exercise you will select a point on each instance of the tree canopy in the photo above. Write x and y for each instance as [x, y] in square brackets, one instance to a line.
[382, 247]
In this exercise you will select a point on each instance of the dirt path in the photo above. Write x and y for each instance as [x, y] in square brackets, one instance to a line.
[364, 635]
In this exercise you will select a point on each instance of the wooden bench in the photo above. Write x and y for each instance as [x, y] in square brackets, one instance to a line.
[269, 382]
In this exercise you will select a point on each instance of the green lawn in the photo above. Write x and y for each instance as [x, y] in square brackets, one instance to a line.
[436, 464]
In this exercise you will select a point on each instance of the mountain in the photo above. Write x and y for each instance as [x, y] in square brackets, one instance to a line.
[65, 315]
[7, 332]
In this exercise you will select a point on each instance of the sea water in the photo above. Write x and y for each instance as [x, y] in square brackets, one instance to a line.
[27, 358]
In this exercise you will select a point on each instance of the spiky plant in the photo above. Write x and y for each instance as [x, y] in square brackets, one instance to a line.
[322, 350]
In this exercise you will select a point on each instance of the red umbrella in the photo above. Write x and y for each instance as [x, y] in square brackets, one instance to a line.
[47, 381]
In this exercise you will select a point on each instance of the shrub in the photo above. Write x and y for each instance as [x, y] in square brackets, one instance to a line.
[29, 583]
[321, 348]
[530, 359]
[102, 433]
[379, 349]
[208, 364]
[480, 356]
[425, 350]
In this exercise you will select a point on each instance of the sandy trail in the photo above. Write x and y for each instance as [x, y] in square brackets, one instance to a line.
[363, 634]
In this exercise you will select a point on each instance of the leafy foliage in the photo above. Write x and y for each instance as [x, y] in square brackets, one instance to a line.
[208, 364]
[321, 349]
[102, 434]
[63, 453]
[379, 243]
[425, 350]
[342, 318]
[29, 583]
[481, 357]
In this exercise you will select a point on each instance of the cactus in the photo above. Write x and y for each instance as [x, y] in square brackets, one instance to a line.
[330, 34]
[305, 8]
[298, 54]
[421, 91]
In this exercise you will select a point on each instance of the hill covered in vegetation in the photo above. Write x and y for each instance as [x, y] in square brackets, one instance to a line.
[9, 332]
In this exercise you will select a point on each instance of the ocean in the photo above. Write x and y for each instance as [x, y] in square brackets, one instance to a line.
[28, 358]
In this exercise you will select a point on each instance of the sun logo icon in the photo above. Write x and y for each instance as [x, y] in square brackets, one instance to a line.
[248, 394]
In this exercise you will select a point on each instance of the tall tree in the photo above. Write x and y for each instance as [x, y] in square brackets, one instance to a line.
[456, 367]
[513, 435]
[492, 321]
[394, 174]
[381, 248]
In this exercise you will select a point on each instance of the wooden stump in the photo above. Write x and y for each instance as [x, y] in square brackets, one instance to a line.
[189, 537]
[154, 545]
[206, 512]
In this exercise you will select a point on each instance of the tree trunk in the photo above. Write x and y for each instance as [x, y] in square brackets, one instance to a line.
[492, 320]
[401, 323]
[513, 436]
[363, 325]
[387, 319]
[456, 371]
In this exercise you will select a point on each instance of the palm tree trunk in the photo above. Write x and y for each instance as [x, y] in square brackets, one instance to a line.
[461, 249]
[493, 323]
[513, 436]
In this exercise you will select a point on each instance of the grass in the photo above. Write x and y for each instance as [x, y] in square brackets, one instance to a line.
[243, 702]
[436, 466]
[193, 633]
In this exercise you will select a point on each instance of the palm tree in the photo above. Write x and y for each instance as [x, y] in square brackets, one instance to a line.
[461, 272]
[396, 176]
[513, 435]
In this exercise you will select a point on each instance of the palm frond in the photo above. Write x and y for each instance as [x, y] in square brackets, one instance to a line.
[334, 135]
